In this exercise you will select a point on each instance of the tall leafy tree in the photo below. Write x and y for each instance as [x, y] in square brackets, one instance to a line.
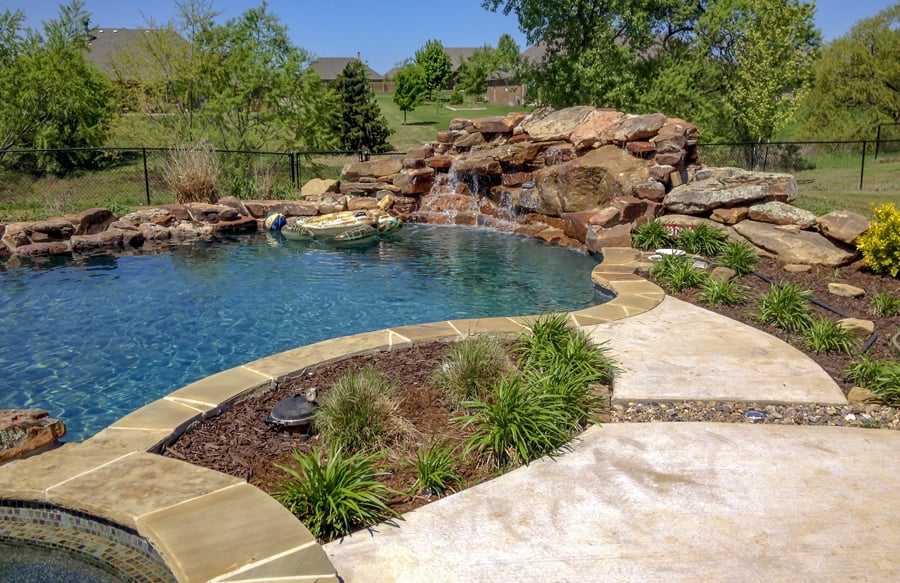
[857, 80]
[50, 96]
[435, 64]
[409, 91]
[362, 124]
[474, 72]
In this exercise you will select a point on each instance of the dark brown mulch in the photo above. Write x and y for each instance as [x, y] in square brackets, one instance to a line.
[239, 443]
[817, 280]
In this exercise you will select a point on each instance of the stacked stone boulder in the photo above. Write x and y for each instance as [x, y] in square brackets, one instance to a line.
[581, 177]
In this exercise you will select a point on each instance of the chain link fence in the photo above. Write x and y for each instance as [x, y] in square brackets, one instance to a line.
[122, 179]
[818, 166]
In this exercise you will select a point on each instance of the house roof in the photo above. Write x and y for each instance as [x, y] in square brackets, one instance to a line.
[329, 68]
[107, 42]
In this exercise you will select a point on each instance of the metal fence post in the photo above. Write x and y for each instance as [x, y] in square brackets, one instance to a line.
[862, 166]
[146, 176]
[877, 141]
[293, 162]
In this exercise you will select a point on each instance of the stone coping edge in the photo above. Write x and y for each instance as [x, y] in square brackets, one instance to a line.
[170, 502]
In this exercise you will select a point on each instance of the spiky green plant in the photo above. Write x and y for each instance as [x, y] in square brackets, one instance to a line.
[864, 370]
[675, 273]
[885, 305]
[651, 235]
[518, 425]
[826, 335]
[336, 496]
[739, 256]
[719, 291]
[435, 472]
[358, 412]
[786, 307]
[472, 367]
[702, 240]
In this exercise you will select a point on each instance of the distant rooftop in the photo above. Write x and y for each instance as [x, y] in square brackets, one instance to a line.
[329, 68]
[106, 42]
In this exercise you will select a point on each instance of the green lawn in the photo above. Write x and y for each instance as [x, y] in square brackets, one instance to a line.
[423, 123]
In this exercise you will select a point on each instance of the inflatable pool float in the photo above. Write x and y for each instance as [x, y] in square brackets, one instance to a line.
[342, 226]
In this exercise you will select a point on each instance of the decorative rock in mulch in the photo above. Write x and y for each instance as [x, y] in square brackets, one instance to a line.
[846, 290]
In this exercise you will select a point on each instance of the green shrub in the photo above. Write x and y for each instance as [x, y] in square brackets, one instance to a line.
[738, 256]
[702, 240]
[518, 425]
[885, 305]
[358, 412]
[887, 385]
[651, 235]
[336, 497]
[676, 272]
[785, 307]
[718, 291]
[472, 367]
[880, 244]
[192, 173]
[825, 335]
[864, 370]
[553, 349]
[435, 472]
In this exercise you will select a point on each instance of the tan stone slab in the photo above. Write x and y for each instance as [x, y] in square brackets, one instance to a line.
[619, 255]
[614, 268]
[420, 332]
[641, 286]
[30, 478]
[679, 351]
[222, 532]
[288, 363]
[219, 388]
[637, 304]
[607, 279]
[160, 414]
[488, 326]
[605, 312]
[310, 561]
[137, 484]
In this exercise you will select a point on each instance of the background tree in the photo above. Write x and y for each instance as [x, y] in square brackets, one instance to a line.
[435, 64]
[857, 81]
[362, 124]
[409, 91]
[50, 96]
[474, 71]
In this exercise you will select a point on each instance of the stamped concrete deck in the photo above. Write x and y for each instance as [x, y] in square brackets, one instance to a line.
[631, 502]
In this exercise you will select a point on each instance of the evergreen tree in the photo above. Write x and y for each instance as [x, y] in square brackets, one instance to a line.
[362, 124]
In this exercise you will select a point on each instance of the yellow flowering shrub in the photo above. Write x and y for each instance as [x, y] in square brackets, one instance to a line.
[880, 244]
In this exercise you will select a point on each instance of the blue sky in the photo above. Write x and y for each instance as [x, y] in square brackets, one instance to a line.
[384, 32]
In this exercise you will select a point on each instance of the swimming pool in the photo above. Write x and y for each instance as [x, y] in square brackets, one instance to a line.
[92, 339]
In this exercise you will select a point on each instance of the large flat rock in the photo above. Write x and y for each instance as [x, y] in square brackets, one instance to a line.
[660, 502]
[678, 351]
[789, 246]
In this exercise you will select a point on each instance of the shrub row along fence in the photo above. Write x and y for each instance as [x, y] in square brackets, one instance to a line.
[122, 178]
[818, 166]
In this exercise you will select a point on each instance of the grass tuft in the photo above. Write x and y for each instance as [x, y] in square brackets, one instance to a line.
[472, 367]
[435, 472]
[785, 307]
[192, 173]
[825, 335]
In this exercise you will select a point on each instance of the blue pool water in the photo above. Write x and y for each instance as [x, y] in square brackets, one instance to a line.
[92, 339]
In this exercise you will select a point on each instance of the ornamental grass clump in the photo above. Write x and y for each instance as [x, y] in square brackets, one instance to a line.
[192, 173]
[885, 305]
[651, 234]
[825, 335]
[435, 469]
[739, 256]
[880, 244]
[785, 307]
[358, 413]
[535, 412]
[702, 239]
[675, 273]
[472, 367]
[336, 496]
[714, 291]
[882, 377]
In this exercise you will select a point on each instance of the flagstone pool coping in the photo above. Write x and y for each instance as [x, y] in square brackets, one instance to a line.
[209, 526]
